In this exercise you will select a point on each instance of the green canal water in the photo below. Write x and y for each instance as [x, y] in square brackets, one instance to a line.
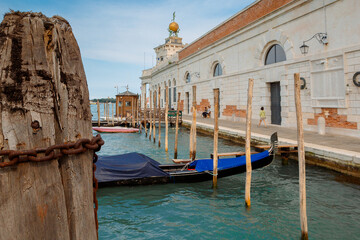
[196, 211]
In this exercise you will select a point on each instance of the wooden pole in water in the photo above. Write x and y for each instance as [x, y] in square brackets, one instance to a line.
[116, 108]
[112, 113]
[151, 117]
[154, 117]
[166, 119]
[216, 135]
[52, 199]
[108, 113]
[159, 117]
[120, 110]
[193, 127]
[191, 138]
[140, 127]
[248, 142]
[98, 112]
[177, 127]
[145, 113]
[137, 111]
[301, 157]
[132, 113]
[105, 111]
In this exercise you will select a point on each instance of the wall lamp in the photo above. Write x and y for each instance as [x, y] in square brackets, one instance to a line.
[321, 37]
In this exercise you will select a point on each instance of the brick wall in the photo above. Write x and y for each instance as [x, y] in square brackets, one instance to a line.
[241, 20]
[229, 110]
[333, 119]
[203, 103]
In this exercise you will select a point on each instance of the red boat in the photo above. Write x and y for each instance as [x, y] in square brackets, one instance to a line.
[115, 129]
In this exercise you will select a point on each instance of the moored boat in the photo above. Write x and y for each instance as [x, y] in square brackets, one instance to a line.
[138, 169]
[115, 129]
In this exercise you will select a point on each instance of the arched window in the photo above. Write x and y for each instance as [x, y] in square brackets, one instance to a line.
[275, 54]
[217, 70]
[187, 78]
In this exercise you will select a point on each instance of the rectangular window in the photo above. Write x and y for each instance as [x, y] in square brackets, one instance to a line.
[128, 104]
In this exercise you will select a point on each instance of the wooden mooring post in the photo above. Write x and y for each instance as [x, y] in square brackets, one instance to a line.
[301, 156]
[51, 199]
[150, 115]
[112, 114]
[159, 109]
[140, 127]
[177, 127]
[248, 143]
[191, 145]
[107, 113]
[132, 113]
[104, 111]
[154, 116]
[137, 112]
[145, 125]
[194, 120]
[193, 127]
[166, 118]
[216, 136]
[98, 112]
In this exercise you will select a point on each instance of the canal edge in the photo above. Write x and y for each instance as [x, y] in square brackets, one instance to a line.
[340, 160]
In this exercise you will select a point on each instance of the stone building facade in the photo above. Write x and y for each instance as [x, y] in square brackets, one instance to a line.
[263, 42]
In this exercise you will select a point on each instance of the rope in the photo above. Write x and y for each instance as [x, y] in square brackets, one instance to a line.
[211, 173]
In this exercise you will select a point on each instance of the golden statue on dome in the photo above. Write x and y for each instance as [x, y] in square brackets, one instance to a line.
[173, 27]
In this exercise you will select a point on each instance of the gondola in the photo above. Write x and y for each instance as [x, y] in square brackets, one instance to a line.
[138, 169]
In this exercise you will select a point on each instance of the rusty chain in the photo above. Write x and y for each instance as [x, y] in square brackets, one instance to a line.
[55, 152]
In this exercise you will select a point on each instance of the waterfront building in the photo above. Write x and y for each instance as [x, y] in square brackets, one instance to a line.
[269, 41]
[125, 103]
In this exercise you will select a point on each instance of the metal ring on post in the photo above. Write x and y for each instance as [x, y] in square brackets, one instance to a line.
[356, 82]
[303, 84]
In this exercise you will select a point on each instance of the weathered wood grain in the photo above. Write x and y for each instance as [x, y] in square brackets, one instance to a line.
[42, 79]
[301, 157]
[248, 143]
[216, 136]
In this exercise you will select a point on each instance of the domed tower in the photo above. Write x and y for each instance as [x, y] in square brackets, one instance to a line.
[172, 44]
[173, 27]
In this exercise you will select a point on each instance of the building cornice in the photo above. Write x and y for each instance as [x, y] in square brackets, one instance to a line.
[255, 24]
[249, 15]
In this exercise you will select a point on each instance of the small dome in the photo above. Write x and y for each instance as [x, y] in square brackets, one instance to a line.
[174, 26]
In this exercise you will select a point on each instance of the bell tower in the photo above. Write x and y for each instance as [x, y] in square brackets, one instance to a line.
[172, 44]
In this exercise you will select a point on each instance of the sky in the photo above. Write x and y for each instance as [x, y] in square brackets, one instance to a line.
[117, 37]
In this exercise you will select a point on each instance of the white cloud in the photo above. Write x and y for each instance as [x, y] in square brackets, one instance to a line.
[122, 32]
[113, 35]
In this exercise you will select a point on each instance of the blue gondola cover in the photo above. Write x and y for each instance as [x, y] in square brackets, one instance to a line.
[127, 166]
[225, 163]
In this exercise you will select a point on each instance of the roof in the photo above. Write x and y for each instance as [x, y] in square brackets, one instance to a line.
[126, 93]
[250, 14]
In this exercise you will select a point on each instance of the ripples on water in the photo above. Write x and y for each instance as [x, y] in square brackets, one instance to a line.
[195, 211]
